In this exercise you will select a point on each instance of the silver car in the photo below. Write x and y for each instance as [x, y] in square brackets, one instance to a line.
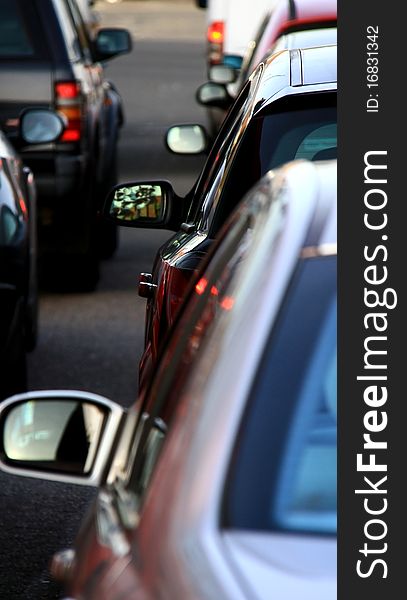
[221, 482]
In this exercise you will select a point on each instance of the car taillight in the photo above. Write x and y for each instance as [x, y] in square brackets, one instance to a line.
[215, 36]
[68, 101]
[216, 32]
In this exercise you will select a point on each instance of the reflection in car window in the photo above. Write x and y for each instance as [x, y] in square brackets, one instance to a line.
[306, 492]
[283, 475]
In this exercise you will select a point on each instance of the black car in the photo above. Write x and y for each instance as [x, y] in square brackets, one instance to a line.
[48, 59]
[18, 249]
[286, 110]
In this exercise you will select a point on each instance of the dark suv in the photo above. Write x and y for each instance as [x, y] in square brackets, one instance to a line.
[48, 59]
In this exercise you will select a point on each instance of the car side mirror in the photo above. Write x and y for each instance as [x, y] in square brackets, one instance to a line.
[187, 139]
[212, 94]
[223, 74]
[140, 204]
[58, 435]
[40, 126]
[111, 42]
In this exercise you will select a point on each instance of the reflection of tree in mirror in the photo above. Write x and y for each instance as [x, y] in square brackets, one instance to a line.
[137, 202]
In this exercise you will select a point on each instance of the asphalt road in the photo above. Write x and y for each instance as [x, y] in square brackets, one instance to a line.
[94, 341]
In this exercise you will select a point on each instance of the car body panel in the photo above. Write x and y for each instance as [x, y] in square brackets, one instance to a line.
[291, 566]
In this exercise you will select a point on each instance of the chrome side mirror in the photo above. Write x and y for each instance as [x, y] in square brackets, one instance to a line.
[58, 435]
[187, 139]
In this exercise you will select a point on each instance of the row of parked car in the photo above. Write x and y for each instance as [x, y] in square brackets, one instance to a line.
[220, 481]
[51, 58]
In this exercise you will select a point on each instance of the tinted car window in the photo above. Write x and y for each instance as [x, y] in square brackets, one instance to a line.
[220, 149]
[284, 477]
[302, 127]
[17, 25]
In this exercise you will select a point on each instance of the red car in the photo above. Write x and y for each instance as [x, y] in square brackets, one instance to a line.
[289, 17]
[287, 110]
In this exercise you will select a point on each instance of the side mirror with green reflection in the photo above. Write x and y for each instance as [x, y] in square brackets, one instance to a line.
[140, 204]
[58, 435]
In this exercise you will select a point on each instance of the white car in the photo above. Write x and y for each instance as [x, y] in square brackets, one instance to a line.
[231, 26]
[221, 483]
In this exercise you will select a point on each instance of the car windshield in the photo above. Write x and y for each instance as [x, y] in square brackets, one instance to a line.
[283, 476]
[293, 128]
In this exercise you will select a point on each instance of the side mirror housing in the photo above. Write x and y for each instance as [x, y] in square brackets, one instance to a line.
[214, 95]
[111, 42]
[40, 126]
[223, 74]
[58, 435]
[187, 139]
[147, 204]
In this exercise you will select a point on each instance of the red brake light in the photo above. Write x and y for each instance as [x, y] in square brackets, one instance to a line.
[215, 32]
[67, 89]
[68, 101]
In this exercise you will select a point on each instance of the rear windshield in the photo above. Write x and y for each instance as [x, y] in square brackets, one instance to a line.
[19, 31]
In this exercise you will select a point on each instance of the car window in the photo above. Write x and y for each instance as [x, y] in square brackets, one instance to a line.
[220, 149]
[19, 37]
[283, 475]
[306, 489]
[296, 127]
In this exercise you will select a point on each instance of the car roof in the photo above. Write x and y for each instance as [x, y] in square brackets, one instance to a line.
[295, 71]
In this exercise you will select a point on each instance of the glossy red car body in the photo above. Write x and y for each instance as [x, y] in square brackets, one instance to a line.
[299, 15]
